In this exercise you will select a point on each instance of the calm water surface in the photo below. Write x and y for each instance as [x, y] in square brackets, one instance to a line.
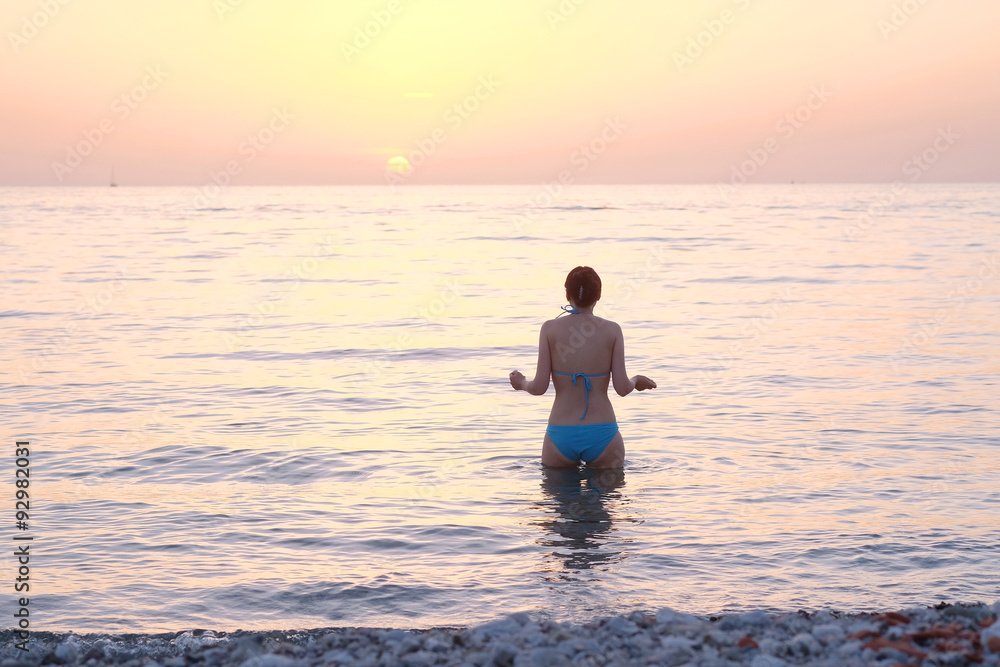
[291, 409]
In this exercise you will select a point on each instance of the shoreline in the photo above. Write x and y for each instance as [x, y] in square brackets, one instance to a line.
[947, 634]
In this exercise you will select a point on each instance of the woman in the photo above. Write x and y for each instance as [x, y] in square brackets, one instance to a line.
[589, 352]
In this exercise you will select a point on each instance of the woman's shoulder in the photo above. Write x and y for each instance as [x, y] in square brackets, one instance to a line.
[607, 323]
[550, 325]
[612, 328]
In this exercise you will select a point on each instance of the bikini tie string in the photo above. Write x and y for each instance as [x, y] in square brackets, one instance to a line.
[587, 388]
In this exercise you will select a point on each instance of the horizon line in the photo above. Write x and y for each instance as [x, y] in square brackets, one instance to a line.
[493, 184]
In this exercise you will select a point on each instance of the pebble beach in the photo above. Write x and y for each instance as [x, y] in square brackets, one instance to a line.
[941, 635]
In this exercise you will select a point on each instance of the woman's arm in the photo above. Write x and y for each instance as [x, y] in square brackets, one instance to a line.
[622, 382]
[540, 383]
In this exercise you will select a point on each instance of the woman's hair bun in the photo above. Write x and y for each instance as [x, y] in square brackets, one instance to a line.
[584, 285]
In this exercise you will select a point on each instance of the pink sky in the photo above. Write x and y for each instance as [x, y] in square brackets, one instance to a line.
[519, 91]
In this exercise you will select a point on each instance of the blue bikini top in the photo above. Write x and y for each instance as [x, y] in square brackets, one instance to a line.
[587, 387]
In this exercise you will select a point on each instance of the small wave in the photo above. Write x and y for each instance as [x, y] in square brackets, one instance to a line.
[581, 208]
[753, 279]
[22, 313]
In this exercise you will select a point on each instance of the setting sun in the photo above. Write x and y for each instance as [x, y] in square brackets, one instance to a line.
[398, 165]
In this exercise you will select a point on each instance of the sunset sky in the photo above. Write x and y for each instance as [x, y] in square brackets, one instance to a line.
[491, 91]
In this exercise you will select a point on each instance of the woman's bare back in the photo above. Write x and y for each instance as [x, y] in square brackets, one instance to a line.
[581, 344]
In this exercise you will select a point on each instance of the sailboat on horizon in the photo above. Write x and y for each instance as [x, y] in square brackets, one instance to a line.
[113, 184]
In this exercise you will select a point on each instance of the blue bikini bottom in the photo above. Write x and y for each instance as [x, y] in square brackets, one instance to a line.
[582, 441]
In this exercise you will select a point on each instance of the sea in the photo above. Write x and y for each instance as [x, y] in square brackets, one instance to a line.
[288, 407]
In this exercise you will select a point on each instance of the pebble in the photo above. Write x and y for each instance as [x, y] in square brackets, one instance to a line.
[671, 617]
[268, 661]
[677, 650]
[767, 661]
[337, 656]
[395, 635]
[990, 637]
[520, 618]
[503, 655]
[805, 645]
[67, 651]
[828, 632]
[622, 626]
[546, 657]
[754, 618]
[419, 659]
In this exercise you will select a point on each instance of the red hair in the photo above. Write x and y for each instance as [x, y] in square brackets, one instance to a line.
[584, 286]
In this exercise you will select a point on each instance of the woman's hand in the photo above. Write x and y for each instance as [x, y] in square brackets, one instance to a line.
[643, 382]
[517, 380]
